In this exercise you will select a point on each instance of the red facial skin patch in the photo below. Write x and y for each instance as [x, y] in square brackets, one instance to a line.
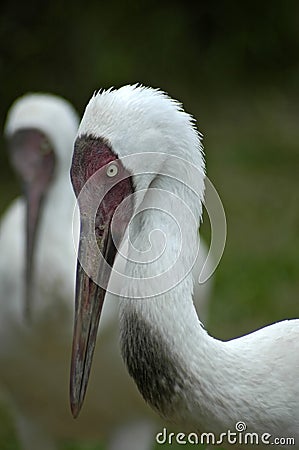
[90, 155]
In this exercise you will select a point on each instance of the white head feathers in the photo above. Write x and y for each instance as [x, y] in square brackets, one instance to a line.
[50, 114]
[136, 119]
[141, 120]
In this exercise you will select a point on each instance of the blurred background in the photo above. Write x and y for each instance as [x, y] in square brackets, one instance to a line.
[235, 67]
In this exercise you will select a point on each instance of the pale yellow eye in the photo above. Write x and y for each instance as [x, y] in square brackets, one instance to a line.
[112, 170]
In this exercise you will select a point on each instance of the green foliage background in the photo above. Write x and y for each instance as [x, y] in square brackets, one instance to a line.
[235, 66]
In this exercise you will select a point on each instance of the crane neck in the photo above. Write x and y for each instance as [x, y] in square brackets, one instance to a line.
[161, 333]
[181, 371]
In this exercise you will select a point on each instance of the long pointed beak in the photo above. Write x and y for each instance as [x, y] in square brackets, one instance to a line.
[33, 159]
[88, 306]
[34, 200]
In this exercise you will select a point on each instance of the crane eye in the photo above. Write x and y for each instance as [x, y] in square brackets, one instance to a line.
[45, 147]
[112, 170]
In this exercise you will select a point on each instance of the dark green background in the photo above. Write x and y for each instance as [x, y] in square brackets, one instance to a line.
[235, 66]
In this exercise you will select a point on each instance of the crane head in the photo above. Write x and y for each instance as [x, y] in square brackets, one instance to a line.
[93, 156]
[40, 130]
[126, 135]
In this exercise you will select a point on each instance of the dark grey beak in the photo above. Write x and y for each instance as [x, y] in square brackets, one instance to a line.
[34, 202]
[34, 161]
[88, 307]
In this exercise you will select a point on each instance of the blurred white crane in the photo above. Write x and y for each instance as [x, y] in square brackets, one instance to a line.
[37, 280]
[186, 375]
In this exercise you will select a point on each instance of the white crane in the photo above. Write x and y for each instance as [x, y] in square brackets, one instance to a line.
[37, 281]
[186, 375]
